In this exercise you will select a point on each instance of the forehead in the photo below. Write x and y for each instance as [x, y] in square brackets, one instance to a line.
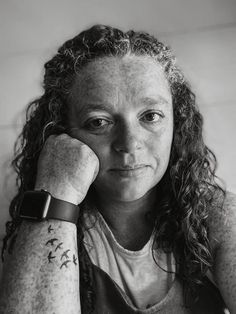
[131, 75]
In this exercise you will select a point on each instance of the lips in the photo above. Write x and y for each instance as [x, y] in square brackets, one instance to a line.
[129, 170]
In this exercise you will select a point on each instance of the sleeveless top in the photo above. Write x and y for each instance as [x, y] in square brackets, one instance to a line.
[132, 282]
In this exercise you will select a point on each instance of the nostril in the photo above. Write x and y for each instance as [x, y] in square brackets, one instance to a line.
[126, 144]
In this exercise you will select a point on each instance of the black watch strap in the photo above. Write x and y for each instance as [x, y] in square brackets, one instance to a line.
[62, 210]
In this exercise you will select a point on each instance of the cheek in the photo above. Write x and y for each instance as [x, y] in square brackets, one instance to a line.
[160, 147]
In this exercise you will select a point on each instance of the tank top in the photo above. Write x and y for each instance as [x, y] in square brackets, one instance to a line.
[133, 282]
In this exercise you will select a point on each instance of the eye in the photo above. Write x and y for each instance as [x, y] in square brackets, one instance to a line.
[152, 116]
[97, 124]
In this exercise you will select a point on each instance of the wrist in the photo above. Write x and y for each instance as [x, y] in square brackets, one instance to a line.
[59, 192]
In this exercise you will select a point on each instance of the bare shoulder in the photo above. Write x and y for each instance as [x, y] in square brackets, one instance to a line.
[222, 220]
[222, 234]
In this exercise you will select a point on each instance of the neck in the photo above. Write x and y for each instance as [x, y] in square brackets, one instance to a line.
[128, 220]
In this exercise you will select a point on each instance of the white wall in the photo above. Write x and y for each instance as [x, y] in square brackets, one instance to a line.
[202, 33]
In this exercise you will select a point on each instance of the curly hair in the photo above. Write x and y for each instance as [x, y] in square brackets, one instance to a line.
[189, 184]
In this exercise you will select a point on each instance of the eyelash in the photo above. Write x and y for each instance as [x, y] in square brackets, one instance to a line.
[159, 114]
[88, 125]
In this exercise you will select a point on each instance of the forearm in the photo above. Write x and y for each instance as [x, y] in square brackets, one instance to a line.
[42, 273]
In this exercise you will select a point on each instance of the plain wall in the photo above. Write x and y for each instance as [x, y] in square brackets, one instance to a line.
[202, 34]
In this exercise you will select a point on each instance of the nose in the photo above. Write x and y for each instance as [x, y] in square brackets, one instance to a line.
[128, 139]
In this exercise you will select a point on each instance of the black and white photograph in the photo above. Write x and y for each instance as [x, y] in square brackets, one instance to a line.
[117, 157]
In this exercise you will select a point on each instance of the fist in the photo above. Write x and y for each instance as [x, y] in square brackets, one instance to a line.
[66, 168]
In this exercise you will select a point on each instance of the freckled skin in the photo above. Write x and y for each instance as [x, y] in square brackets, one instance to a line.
[34, 284]
[222, 223]
[120, 85]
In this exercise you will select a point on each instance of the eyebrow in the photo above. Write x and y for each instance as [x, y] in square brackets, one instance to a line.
[94, 107]
[90, 107]
[154, 100]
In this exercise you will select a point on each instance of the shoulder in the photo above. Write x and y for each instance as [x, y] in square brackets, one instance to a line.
[222, 219]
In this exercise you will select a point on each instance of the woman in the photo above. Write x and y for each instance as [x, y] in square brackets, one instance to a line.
[117, 132]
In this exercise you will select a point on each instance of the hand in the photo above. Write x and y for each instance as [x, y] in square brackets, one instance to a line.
[66, 168]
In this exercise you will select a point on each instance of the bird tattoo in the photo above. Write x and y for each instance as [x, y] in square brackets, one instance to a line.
[65, 264]
[50, 257]
[51, 241]
[74, 259]
[50, 229]
[58, 246]
[65, 254]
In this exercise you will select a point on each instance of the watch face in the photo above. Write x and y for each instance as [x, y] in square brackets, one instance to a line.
[34, 205]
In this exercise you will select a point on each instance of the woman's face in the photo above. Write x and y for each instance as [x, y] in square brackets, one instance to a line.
[122, 109]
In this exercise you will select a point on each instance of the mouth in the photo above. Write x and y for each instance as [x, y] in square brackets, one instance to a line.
[129, 171]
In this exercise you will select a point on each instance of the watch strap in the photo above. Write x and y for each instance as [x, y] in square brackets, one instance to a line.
[62, 210]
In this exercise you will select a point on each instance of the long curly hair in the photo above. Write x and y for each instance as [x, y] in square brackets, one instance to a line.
[189, 185]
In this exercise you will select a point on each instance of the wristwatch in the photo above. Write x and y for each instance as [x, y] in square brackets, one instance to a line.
[41, 205]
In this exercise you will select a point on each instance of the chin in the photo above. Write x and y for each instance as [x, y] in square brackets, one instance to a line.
[125, 190]
[129, 195]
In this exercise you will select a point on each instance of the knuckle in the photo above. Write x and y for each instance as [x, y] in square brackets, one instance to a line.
[63, 136]
[60, 138]
[51, 138]
[87, 150]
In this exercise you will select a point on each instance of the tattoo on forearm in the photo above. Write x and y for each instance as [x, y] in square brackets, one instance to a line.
[65, 254]
[58, 246]
[51, 241]
[74, 259]
[65, 263]
[50, 257]
[50, 229]
[63, 259]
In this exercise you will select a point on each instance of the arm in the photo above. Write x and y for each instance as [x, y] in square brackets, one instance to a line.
[37, 277]
[223, 235]
[42, 274]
